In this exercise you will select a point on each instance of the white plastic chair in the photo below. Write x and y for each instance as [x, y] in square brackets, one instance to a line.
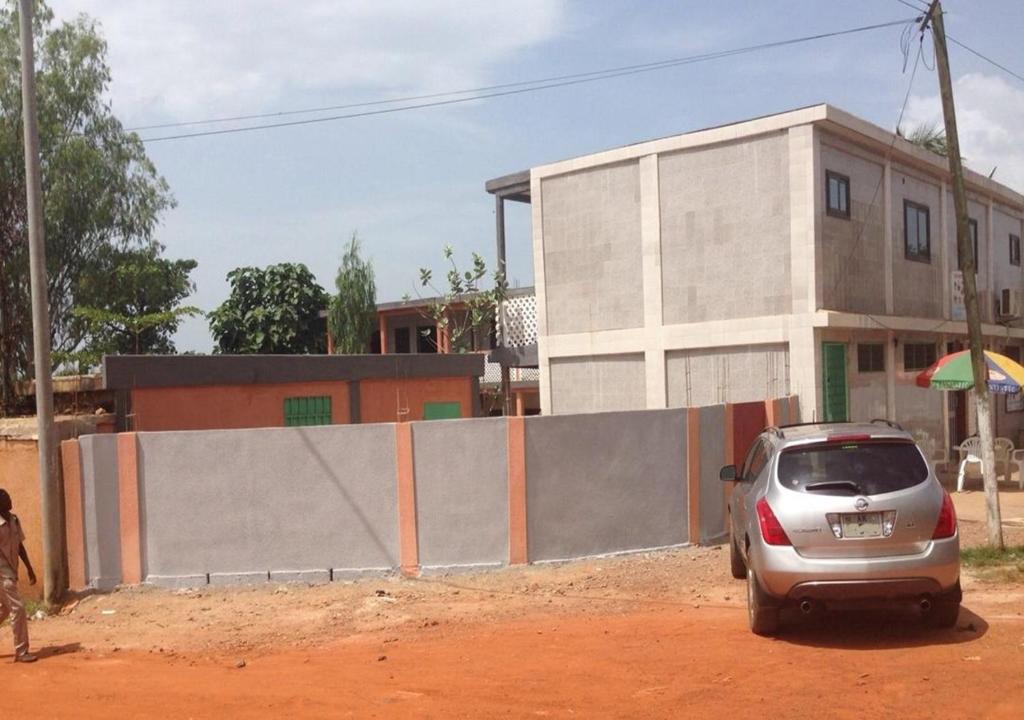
[970, 461]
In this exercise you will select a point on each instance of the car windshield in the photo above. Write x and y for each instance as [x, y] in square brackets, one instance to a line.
[855, 468]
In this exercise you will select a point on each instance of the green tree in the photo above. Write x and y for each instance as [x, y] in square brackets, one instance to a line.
[274, 310]
[100, 189]
[464, 309]
[931, 137]
[131, 302]
[350, 319]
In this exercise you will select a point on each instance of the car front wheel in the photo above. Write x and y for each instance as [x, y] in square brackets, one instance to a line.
[736, 563]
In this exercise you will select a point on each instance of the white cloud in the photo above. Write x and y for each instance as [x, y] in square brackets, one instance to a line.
[988, 115]
[184, 59]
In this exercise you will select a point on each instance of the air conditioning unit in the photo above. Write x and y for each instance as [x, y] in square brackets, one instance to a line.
[1010, 303]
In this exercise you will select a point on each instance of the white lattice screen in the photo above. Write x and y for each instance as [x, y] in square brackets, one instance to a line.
[519, 321]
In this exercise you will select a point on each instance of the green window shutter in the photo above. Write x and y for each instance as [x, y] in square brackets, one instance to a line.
[441, 410]
[833, 363]
[300, 411]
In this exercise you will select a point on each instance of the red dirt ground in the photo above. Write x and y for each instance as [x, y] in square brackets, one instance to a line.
[660, 635]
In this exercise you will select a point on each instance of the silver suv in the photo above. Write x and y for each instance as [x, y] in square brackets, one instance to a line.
[828, 515]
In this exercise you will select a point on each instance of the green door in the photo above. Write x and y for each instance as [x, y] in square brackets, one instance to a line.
[441, 410]
[833, 364]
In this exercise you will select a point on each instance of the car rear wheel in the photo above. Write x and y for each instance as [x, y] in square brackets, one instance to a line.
[943, 614]
[736, 562]
[762, 613]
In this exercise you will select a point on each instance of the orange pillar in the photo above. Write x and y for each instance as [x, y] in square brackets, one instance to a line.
[74, 522]
[408, 532]
[769, 413]
[518, 550]
[693, 473]
[520, 404]
[382, 327]
[128, 502]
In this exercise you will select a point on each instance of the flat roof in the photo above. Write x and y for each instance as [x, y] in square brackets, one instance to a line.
[827, 116]
[125, 372]
[415, 303]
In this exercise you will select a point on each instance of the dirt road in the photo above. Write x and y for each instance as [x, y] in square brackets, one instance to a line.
[648, 636]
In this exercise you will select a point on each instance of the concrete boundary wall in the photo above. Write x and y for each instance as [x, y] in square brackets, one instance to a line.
[316, 504]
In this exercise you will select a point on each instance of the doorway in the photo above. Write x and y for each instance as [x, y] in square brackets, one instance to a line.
[957, 403]
[834, 395]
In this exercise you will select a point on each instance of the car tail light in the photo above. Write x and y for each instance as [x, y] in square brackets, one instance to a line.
[771, 529]
[946, 526]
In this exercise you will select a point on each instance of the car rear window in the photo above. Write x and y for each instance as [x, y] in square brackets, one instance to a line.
[855, 468]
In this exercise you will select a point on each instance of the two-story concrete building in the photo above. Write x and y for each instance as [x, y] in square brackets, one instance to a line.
[809, 252]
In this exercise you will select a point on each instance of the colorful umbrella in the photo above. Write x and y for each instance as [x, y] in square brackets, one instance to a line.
[953, 372]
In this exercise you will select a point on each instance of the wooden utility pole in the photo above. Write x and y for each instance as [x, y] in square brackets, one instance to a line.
[968, 264]
[49, 485]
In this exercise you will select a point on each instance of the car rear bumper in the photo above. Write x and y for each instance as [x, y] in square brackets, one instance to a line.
[784, 574]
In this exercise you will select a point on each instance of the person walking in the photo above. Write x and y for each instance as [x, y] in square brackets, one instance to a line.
[12, 549]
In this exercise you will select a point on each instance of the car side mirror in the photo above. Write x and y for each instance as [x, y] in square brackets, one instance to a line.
[728, 474]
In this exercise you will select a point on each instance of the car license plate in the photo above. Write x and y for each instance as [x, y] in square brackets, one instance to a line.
[862, 525]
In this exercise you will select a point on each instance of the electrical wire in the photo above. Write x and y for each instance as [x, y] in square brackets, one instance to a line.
[905, 48]
[534, 85]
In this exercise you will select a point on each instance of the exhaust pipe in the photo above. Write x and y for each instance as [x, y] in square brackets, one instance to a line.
[806, 606]
[926, 605]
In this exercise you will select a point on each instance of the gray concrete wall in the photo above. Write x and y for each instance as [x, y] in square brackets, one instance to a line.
[598, 383]
[918, 410]
[918, 291]
[712, 458]
[724, 219]
[853, 249]
[605, 483]
[710, 376]
[257, 501]
[1005, 275]
[100, 511]
[592, 260]
[461, 492]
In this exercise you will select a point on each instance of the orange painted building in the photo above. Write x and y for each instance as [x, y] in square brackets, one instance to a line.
[203, 392]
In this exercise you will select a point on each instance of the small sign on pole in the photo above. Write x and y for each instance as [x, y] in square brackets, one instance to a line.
[958, 307]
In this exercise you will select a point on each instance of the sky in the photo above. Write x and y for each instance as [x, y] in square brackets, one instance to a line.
[411, 182]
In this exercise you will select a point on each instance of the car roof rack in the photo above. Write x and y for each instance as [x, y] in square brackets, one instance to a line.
[776, 431]
[890, 423]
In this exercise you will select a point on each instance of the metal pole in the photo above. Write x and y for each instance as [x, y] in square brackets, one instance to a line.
[968, 263]
[506, 376]
[53, 584]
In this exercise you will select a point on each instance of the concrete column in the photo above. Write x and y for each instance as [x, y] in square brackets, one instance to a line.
[650, 240]
[805, 201]
[890, 295]
[74, 512]
[804, 373]
[890, 375]
[382, 327]
[543, 362]
[990, 268]
[947, 252]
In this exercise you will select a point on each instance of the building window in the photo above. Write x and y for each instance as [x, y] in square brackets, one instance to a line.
[1012, 352]
[442, 410]
[402, 340]
[972, 231]
[916, 232]
[918, 356]
[1015, 250]
[426, 339]
[870, 357]
[837, 194]
[299, 411]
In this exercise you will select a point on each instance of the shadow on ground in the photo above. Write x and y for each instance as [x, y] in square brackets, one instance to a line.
[877, 630]
[50, 651]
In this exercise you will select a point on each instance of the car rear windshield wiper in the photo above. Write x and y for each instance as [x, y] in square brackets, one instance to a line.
[835, 484]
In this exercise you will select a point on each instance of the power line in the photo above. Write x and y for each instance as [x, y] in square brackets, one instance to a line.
[985, 58]
[534, 85]
[905, 46]
[971, 50]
